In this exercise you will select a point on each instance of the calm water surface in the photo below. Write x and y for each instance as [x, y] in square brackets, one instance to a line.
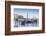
[18, 24]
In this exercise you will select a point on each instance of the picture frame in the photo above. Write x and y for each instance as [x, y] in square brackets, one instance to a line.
[16, 8]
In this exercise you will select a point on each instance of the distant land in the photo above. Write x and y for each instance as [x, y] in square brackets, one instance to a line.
[21, 18]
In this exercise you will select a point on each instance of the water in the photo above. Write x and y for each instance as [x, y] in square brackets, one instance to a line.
[18, 24]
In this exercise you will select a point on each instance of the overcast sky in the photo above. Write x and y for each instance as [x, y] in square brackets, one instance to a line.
[31, 12]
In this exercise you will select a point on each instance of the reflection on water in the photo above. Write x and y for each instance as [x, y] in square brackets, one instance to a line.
[19, 24]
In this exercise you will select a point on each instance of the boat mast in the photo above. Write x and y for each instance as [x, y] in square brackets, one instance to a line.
[27, 15]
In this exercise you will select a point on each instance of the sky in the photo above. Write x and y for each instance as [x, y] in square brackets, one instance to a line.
[31, 12]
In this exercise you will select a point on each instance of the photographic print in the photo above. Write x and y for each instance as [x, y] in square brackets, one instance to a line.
[24, 17]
